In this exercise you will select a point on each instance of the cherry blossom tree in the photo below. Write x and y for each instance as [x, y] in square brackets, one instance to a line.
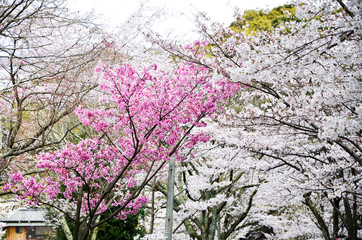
[47, 57]
[299, 111]
[214, 193]
[148, 116]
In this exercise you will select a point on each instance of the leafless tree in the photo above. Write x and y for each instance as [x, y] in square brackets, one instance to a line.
[47, 55]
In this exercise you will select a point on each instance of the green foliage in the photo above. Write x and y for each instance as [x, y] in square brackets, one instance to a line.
[115, 229]
[128, 229]
[259, 20]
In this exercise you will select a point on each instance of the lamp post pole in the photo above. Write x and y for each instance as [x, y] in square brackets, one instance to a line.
[170, 195]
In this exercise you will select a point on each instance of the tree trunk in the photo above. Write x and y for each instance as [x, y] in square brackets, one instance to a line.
[153, 206]
[213, 223]
[203, 225]
[320, 221]
[335, 217]
[218, 230]
[95, 231]
[65, 227]
[77, 216]
[351, 224]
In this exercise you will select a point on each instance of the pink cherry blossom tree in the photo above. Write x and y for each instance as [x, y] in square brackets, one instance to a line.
[147, 117]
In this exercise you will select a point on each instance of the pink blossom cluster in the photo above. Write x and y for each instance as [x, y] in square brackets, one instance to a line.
[151, 106]
[89, 165]
[132, 207]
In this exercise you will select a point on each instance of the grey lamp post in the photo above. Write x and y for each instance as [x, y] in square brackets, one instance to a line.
[170, 194]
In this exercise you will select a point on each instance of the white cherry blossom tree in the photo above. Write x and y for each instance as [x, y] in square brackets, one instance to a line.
[298, 114]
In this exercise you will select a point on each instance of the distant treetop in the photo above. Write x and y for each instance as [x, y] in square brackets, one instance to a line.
[256, 20]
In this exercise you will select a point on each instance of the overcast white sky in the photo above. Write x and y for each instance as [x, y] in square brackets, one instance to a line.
[115, 12]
